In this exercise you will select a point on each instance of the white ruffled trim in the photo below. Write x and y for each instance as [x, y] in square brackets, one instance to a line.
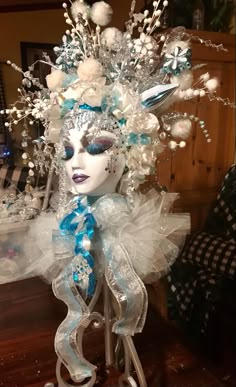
[149, 233]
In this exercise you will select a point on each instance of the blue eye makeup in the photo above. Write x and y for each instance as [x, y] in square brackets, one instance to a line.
[68, 152]
[99, 145]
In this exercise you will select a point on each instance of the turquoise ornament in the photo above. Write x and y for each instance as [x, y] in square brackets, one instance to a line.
[122, 121]
[154, 98]
[132, 139]
[90, 108]
[68, 104]
[177, 61]
[144, 139]
[138, 139]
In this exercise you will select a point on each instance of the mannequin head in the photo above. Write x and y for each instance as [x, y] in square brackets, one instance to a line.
[87, 163]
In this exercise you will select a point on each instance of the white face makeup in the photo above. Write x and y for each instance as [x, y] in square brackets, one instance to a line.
[87, 164]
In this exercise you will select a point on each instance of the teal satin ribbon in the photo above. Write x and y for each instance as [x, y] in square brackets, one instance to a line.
[69, 225]
[78, 275]
[91, 108]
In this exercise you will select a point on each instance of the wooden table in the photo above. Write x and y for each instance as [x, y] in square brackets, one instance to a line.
[29, 317]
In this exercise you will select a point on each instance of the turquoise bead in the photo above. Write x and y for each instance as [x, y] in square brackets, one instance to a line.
[144, 139]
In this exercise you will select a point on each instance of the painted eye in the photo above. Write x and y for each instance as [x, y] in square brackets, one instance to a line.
[68, 152]
[99, 145]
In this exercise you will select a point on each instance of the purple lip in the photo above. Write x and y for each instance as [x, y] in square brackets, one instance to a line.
[79, 178]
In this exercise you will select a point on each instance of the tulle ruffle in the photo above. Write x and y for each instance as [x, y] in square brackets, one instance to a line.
[26, 249]
[150, 234]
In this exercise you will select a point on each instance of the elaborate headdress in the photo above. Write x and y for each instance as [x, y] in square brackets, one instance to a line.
[115, 80]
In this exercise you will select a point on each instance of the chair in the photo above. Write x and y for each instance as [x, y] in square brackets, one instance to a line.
[203, 279]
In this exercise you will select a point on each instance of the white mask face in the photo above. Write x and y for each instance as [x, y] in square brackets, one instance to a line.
[87, 164]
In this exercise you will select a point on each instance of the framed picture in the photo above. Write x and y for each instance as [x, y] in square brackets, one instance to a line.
[33, 52]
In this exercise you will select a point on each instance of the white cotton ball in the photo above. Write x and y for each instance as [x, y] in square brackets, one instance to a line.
[111, 36]
[182, 144]
[176, 43]
[212, 84]
[189, 93]
[185, 79]
[89, 70]
[79, 8]
[55, 80]
[181, 128]
[101, 13]
[172, 145]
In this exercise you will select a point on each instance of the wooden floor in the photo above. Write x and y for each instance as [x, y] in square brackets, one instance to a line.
[29, 317]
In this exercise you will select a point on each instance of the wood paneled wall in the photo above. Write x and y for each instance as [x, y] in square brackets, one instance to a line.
[197, 171]
[28, 5]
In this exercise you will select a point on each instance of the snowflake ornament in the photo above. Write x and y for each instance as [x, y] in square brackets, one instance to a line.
[177, 61]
